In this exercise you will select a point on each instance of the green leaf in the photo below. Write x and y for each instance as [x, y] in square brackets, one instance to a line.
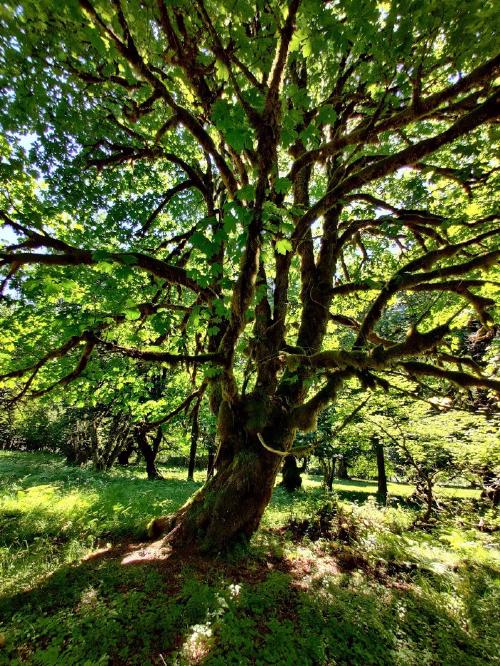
[327, 115]
[132, 314]
[239, 138]
[246, 193]
[282, 185]
[283, 246]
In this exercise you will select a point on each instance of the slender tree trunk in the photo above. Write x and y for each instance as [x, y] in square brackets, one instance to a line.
[117, 431]
[155, 444]
[328, 467]
[211, 459]
[381, 473]
[429, 499]
[195, 431]
[149, 455]
[229, 508]
[94, 440]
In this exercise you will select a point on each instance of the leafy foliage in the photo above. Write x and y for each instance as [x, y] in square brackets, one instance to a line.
[261, 203]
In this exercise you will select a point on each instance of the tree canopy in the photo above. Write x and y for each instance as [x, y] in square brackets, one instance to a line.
[275, 200]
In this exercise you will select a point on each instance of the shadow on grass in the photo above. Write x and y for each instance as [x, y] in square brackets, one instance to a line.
[269, 608]
[184, 609]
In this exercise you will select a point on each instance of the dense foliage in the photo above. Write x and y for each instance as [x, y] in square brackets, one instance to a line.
[261, 203]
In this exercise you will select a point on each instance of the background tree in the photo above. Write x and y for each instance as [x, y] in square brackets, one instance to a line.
[237, 189]
[378, 448]
[336, 438]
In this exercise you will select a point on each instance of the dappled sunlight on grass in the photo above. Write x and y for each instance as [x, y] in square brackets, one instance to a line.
[388, 594]
[51, 514]
[48, 502]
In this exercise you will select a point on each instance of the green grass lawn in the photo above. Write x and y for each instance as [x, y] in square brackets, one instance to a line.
[389, 595]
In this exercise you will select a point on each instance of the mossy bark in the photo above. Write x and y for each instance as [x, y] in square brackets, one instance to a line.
[228, 509]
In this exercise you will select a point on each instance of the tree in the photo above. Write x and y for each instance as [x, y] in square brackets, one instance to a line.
[211, 186]
[336, 441]
[291, 472]
[378, 447]
[432, 441]
[425, 457]
[96, 436]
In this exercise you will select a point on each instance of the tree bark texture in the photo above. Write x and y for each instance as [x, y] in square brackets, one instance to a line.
[149, 455]
[229, 507]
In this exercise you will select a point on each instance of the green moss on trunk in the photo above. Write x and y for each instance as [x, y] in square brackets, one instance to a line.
[228, 509]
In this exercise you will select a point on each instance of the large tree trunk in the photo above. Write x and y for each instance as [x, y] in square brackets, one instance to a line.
[381, 473]
[342, 472]
[292, 480]
[229, 508]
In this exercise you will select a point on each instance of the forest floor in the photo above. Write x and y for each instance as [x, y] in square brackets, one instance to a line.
[373, 590]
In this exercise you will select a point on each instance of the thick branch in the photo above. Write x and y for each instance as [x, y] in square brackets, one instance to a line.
[76, 257]
[461, 379]
[485, 112]
[131, 54]
[400, 119]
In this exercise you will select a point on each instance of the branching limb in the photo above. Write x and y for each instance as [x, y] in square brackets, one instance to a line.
[129, 52]
[160, 357]
[427, 106]
[64, 381]
[74, 257]
[180, 187]
[406, 276]
[461, 379]
[408, 156]
[152, 425]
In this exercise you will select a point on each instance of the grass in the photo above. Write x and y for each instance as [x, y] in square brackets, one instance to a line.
[385, 594]
[53, 514]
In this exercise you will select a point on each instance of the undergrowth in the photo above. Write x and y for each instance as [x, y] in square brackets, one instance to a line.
[327, 580]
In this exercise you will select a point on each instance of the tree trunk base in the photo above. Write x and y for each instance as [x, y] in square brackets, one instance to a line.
[154, 475]
[227, 511]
